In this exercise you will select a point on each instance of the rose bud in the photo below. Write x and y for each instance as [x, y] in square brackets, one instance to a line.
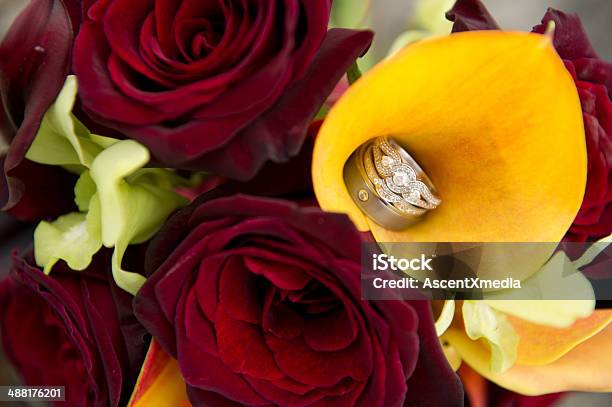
[259, 301]
[208, 85]
[72, 329]
[35, 58]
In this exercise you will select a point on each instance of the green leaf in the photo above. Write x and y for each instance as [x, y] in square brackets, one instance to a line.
[353, 73]
[74, 238]
[482, 321]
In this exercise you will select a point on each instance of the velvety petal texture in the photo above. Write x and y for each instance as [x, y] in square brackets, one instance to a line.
[259, 301]
[593, 79]
[212, 85]
[35, 58]
[75, 330]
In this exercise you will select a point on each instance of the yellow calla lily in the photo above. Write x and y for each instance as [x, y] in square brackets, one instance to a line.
[586, 367]
[160, 383]
[494, 119]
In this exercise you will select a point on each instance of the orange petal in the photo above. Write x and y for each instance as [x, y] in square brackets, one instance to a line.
[495, 120]
[160, 383]
[587, 367]
[540, 345]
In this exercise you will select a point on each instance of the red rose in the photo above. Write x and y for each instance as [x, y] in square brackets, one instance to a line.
[34, 61]
[221, 86]
[72, 329]
[259, 300]
[593, 78]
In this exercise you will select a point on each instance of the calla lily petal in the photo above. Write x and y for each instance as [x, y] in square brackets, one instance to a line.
[482, 321]
[544, 344]
[587, 367]
[551, 313]
[445, 319]
[160, 383]
[494, 119]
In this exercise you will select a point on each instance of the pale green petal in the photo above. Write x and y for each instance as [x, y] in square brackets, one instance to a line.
[133, 205]
[554, 313]
[125, 203]
[593, 251]
[126, 280]
[72, 238]
[558, 278]
[84, 189]
[482, 321]
[62, 139]
[103, 141]
[446, 317]
[108, 172]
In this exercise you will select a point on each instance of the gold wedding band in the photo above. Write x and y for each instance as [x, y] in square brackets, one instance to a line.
[388, 185]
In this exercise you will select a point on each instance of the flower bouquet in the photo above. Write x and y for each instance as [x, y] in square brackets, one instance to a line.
[208, 182]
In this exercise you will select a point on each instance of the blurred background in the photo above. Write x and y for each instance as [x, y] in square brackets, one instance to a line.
[390, 19]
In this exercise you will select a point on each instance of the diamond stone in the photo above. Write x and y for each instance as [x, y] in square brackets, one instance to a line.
[387, 161]
[401, 178]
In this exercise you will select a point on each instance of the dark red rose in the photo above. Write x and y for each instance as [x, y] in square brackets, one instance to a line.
[593, 78]
[35, 58]
[213, 85]
[72, 329]
[259, 300]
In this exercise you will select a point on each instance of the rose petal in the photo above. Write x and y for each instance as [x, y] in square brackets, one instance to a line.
[303, 364]
[432, 362]
[470, 15]
[240, 292]
[42, 37]
[243, 349]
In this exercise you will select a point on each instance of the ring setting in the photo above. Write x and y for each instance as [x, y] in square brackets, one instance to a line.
[388, 185]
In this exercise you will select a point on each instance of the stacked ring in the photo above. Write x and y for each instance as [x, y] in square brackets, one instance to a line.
[388, 185]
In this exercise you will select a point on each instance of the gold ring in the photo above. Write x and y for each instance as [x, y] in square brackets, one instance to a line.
[388, 185]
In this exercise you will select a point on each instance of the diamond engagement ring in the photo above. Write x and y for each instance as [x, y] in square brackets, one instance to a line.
[388, 185]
